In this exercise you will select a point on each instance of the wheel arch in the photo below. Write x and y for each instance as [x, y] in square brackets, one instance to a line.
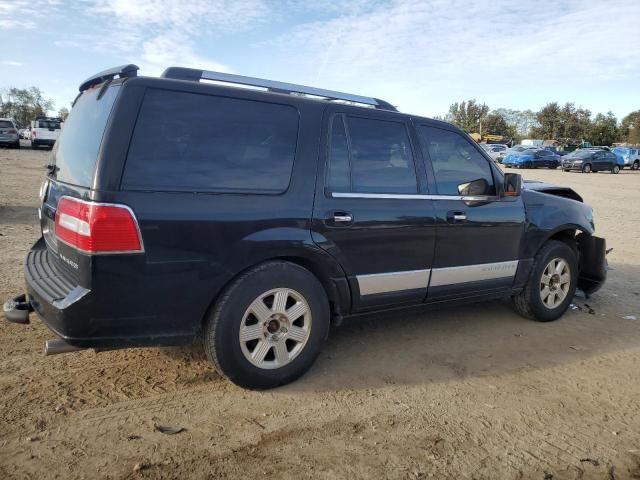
[320, 265]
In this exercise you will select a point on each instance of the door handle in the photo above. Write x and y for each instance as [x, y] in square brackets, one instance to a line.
[342, 217]
[455, 217]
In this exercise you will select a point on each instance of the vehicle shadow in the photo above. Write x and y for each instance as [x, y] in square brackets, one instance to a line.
[486, 339]
[18, 214]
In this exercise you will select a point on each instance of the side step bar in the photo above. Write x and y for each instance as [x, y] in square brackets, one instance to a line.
[57, 345]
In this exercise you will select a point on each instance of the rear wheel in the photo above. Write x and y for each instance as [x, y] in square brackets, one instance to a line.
[586, 168]
[636, 165]
[615, 169]
[268, 327]
[551, 284]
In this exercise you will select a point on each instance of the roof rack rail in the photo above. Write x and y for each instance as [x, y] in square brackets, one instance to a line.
[123, 71]
[194, 75]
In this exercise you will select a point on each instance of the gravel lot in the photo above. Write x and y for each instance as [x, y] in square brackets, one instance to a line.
[472, 392]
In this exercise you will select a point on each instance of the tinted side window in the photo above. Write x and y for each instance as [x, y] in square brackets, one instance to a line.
[192, 142]
[338, 177]
[456, 163]
[381, 157]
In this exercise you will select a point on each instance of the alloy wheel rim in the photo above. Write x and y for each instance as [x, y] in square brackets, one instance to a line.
[275, 328]
[555, 283]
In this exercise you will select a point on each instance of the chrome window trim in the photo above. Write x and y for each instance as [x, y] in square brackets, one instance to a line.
[415, 196]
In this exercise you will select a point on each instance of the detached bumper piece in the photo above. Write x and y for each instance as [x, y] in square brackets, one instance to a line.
[17, 309]
[593, 263]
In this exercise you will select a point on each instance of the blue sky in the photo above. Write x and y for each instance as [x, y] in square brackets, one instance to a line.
[419, 55]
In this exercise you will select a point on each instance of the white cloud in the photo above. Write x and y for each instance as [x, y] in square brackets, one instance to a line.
[421, 51]
[173, 49]
[12, 63]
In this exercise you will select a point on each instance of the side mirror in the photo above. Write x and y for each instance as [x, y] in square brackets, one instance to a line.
[512, 185]
[474, 187]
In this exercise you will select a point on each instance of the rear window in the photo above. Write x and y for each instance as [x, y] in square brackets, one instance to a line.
[203, 143]
[76, 151]
[54, 124]
[5, 124]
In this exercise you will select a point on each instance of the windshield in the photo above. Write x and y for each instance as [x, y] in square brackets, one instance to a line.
[76, 151]
[581, 153]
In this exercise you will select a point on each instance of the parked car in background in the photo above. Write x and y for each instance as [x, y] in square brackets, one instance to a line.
[589, 160]
[557, 151]
[9, 133]
[508, 151]
[45, 131]
[533, 158]
[23, 133]
[495, 150]
[531, 142]
[630, 156]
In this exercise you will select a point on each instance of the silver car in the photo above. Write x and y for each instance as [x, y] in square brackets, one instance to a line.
[9, 133]
[495, 150]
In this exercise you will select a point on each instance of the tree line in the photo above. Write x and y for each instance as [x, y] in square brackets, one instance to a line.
[26, 104]
[552, 122]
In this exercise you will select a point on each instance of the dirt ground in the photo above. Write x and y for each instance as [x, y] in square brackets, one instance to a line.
[473, 392]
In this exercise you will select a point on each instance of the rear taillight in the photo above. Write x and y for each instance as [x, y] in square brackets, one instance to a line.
[33, 134]
[97, 228]
[13, 131]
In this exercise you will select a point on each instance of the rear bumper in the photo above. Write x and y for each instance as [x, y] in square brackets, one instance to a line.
[43, 141]
[78, 316]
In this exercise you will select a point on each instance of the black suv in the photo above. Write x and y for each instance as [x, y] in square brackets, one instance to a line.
[254, 217]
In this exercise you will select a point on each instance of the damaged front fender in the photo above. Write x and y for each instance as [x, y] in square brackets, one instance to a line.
[593, 263]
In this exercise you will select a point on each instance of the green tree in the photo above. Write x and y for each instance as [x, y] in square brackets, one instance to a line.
[24, 104]
[550, 122]
[467, 115]
[630, 128]
[63, 113]
[604, 129]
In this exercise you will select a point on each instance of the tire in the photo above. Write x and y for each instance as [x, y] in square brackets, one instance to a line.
[33, 146]
[586, 168]
[16, 145]
[615, 169]
[529, 303]
[636, 165]
[232, 316]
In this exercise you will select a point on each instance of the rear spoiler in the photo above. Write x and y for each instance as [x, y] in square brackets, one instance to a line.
[123, 71]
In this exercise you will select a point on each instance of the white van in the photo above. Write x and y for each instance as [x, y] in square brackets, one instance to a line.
[45, 131]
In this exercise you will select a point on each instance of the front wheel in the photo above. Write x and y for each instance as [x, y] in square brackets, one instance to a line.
[551, 284]
[636, 165]
[269, 326]
[586, 168]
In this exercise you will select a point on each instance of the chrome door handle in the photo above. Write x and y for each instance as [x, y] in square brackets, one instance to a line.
[343, 218]
[459, 217]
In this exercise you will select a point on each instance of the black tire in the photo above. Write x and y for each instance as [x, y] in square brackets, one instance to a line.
[615, 169]
[16, 145]
[33, 146]
[528, 303]
[636, 165]
[586, 168]
[221, 335]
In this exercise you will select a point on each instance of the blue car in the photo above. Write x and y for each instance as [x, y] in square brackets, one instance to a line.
[628, 157]
[532, 158]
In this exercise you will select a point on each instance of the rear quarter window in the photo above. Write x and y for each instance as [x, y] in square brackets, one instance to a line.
[203, 143]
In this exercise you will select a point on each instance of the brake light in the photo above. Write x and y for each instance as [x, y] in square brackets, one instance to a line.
[96, 228]
[12, 131]
[33, 134]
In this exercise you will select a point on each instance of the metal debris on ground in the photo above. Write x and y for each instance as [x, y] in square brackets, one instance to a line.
[167, 430]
